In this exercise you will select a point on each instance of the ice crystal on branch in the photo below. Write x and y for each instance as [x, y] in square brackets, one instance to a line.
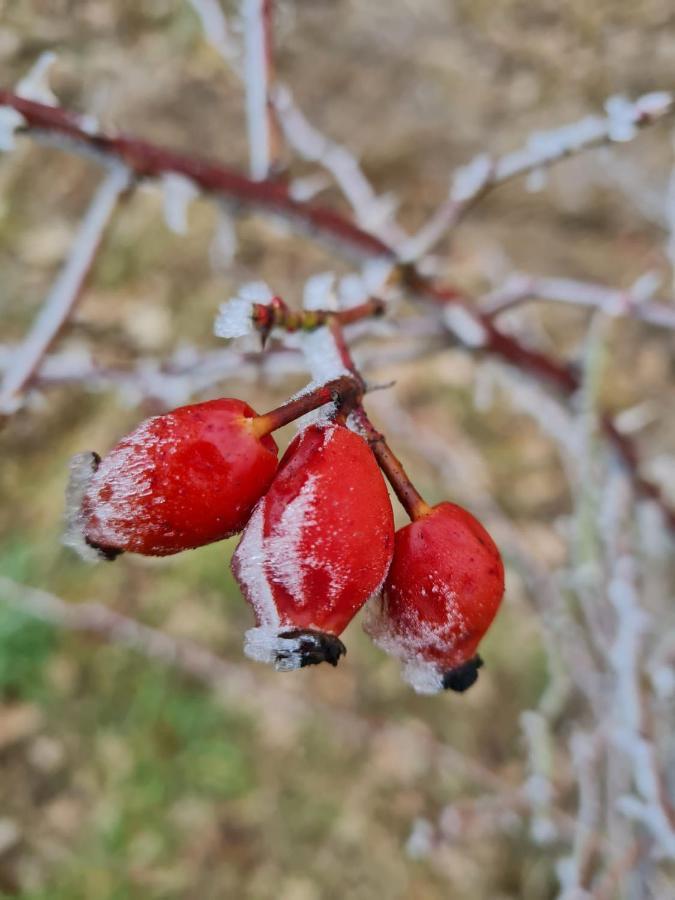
[235, 316]
[35, 85]
[179, 192]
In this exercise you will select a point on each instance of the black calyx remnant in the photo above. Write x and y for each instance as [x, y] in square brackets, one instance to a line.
[462, 677]
[312, 647]
[107, 553]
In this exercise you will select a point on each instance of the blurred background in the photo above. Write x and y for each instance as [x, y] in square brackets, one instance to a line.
[120, 776]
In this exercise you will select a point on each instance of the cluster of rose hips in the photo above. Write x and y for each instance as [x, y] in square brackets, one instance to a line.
[318, 534]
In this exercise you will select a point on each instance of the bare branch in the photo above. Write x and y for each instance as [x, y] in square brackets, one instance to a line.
[66, 291]
[263, 129]
[216, 31]
[544, 148]
[372, 211]
[520, 288]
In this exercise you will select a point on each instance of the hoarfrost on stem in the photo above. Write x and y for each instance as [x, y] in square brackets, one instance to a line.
[35, 84]
[179, 192]
[235, 316]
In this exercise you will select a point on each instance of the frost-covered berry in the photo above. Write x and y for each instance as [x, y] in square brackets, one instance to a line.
[443, 590]
[178, 481]
[318, 544]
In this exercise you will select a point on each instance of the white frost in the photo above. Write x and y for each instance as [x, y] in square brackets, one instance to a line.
[10, 121]
[235, 317]
[621, 118]
[411, 643]
[82, 468]
[35, 84]
[464, 325]
[179, 192]
[223, 246]
[285, 556]
[255, 78]
[470, 179]
[319, 292]
[322, 356]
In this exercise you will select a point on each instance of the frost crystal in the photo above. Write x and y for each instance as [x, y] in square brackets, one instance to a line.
[255, 559]
[351, 291]
[284, 554]
[10, 121]
[423, 676]
[235, 317]
[621, 118]
[470, 179]
[465, 326]
[319, 293]
[657, 103]
[250, 561]
[179, 192]
[420, 841]
[322, 356]
[82, 468]
[376, 273]
[223, 246]
[35, 85]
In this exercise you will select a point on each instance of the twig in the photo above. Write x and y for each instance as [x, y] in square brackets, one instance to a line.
[372, 211]
[66, 291]
[214, 26]
[520, 288]
[263, 129]
[472, 182]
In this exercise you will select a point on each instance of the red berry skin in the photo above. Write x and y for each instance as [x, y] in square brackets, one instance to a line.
[318, 544]
[443, 590]
[179, 481]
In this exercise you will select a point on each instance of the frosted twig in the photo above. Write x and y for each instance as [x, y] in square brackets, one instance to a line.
[216, 31]
[621, 123]
[539, 785]
[233, 680]
[519, 288]
[575, 872]
[372, 211]
[66, 291]
[94, 618]
[670, 222]
[263, 131]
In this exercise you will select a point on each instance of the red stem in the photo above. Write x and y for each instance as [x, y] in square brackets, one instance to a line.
[409, 497]
[343, 392]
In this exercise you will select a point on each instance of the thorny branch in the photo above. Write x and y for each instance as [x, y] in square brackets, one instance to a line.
[474, 329]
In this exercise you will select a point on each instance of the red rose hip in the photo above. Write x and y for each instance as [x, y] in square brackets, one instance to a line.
[443, 590]
[318, 544]
[178, 481]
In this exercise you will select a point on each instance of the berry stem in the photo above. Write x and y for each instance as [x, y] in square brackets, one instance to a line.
[344, 392]
[409, 497]
[277, 314]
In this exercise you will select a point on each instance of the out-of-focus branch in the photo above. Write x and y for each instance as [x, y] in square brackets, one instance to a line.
[371, 210]
[66, 291]
[216, 31]
[264, 137]
[544, 148]
[521, 288]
